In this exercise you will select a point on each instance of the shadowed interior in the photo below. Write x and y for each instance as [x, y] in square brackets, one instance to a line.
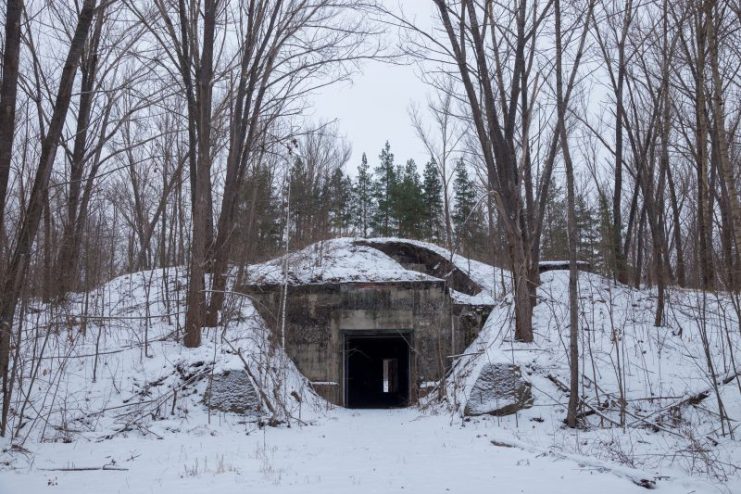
[377, 371]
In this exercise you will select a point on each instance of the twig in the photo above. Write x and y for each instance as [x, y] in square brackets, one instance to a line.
[83, 469]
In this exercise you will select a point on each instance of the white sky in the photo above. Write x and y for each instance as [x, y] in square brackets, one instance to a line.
[375, 106]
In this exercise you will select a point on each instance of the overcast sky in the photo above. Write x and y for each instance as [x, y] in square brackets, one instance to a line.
[375, 106]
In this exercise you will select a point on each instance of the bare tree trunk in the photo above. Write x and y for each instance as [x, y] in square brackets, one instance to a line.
[617, 234]
[15, 274]
[677, 229]
[704, 215]
[67, 258]
[523, 297]
[194, 317]
[721, 139]
[8, 92]
[572, 225]
[639, 249]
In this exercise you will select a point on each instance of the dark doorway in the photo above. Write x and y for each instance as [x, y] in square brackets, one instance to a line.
[377, 371]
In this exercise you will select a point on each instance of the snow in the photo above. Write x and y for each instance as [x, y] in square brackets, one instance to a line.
[563, 262]
[334, 261]
[345, 260]
[374, 451]
[620, 348]
[493, 280]
[144, 412]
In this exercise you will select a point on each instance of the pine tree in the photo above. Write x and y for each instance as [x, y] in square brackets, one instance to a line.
[408, 201]
[555, 236]
[339, 199]
[299, 197]
[608, 263]
[467, 219]
[384, 222]
[363, 205]
[432, 189]
[588, 227]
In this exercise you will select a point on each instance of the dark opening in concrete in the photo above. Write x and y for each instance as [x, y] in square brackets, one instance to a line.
[376, 371]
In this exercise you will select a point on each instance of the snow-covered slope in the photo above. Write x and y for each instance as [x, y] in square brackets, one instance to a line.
[493, 280]
[111, 363]
[624, 360]
[106, 384]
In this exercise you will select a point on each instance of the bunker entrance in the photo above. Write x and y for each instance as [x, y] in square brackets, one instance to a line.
[376, 371]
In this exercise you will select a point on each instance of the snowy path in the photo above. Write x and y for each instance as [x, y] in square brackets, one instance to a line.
[382, 451]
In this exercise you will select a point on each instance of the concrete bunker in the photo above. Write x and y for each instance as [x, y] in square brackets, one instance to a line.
[365, 330]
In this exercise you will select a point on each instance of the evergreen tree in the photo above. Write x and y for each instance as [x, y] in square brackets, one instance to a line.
[588, 228]
[384, 222]
[299, 197]
[363, 206]
[607, 262]
[554, 243]
[432, 197]
[464, 196]
[468, 222]
[408, 201]
[339, 200]
[261, 216]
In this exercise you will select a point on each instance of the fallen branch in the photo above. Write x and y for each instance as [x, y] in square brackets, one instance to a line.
[263, 397]
[693, 399]
[585, 403]
[635, 476]
[83, 469]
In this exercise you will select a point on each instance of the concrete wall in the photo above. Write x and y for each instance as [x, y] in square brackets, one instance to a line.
[319, 316]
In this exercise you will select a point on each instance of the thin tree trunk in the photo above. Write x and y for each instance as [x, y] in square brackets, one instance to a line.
[572, 230]
[721, 139]
[621, 269]
[701, 131]
[67, 259]
[15, 274]
[8, 92]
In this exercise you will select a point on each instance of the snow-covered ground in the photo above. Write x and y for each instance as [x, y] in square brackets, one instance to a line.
[114, 390]
[372, 451]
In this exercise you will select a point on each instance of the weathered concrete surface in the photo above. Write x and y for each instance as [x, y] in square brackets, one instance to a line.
[232, 391]
[319, 316]
[499, 390]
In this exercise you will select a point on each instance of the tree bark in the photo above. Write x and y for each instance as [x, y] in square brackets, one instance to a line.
[721, 139]
[15, 274]
[704, 214]
[8, 92]
[67, 258]
[196, 311]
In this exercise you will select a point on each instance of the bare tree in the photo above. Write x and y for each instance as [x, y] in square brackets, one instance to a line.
[8, 92]
[571, 202]
[492, 52]
[715, 11]
[272, 79]
[15, 273]
[188, 39]
[441, 147]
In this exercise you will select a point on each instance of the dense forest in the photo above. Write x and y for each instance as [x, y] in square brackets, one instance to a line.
[139, 134]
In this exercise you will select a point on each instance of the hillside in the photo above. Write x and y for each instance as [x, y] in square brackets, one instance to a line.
[110, 401]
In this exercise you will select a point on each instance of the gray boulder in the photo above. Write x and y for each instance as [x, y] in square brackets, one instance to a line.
[499, 390]
[232, 391]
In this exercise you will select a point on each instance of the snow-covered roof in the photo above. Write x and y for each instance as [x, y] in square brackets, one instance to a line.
[340, 260]
[357, 260]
